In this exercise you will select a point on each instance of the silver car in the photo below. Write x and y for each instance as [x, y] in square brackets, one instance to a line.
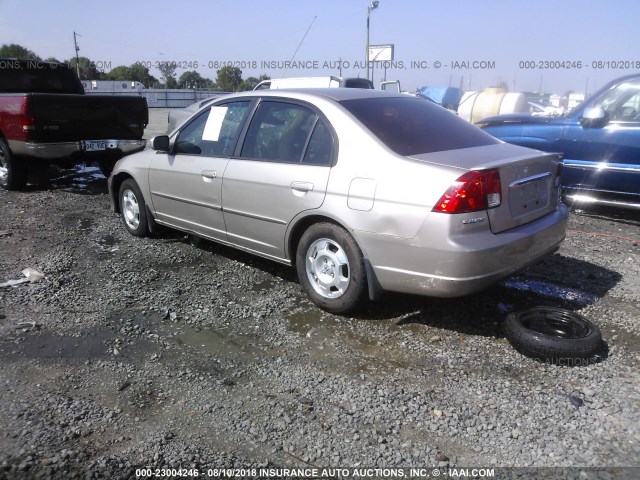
[361, 190]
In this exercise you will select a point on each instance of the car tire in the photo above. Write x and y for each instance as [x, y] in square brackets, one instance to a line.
[133, 208]
[13, 172]
[331, 269]
[554, 335]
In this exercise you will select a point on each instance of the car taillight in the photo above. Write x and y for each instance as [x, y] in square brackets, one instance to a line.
[473, 191]
[28, 120]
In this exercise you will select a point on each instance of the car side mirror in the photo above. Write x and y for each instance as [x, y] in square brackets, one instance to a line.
[160, 143]
[594, 117]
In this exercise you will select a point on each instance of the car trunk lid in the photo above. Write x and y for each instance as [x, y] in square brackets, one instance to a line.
[530, 190]
[528, 178]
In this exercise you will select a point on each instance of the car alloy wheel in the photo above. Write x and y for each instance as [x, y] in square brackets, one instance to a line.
[331, 269]
[327, 268]
[133, 208]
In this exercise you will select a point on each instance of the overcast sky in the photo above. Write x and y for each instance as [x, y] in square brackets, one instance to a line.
[478, 43]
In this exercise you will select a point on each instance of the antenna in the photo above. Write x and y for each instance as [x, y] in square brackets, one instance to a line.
[300, 44]
[75, 42]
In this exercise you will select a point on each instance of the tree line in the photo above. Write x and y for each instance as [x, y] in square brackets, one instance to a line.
[228, 79]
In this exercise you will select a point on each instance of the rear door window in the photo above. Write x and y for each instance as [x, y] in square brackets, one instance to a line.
[320, 147]
[279, 132]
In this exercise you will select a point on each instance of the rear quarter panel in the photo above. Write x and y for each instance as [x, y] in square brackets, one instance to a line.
[373, 189]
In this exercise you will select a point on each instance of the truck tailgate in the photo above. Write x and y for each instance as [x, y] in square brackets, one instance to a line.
[65, 118]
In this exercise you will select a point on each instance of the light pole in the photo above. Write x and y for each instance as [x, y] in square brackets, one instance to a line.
[372, 6]
[75, 42]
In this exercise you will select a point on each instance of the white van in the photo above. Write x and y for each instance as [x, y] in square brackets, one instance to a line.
[314, 82]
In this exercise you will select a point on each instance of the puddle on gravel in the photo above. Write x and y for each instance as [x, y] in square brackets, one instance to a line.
[108, 243]
[619, 337]
[322, 330]
[328, 337]
[614, 333]
[304, 321]
[577, 297]
[262, 286]
[216, 341]
[48, 345]
[85, 224]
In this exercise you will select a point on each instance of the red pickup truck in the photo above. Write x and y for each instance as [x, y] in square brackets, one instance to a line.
[46, 118]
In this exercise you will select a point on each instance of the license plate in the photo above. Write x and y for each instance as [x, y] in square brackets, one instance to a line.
[95, 145]
[529, 198]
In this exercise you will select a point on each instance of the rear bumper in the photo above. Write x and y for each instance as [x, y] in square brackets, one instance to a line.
[60, 150]
[444, 261]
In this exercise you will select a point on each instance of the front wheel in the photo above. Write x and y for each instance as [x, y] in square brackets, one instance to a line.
[13, 173]
[331, 268]
[133, 208]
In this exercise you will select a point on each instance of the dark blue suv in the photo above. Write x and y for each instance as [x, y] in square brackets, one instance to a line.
[599, 139]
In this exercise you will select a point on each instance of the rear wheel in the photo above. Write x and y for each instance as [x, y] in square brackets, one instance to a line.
[331, 268]
[133, 208]
[13, 173]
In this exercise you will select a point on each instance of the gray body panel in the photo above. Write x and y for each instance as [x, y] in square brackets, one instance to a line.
[186, 192]
[262, 198]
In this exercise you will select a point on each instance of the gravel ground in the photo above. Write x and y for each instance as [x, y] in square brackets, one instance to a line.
[169, 352]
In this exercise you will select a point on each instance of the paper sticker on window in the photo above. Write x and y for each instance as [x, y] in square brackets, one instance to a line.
[214, 124]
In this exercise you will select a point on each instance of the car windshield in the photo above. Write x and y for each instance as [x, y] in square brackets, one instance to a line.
[622, 103]
[411, 126]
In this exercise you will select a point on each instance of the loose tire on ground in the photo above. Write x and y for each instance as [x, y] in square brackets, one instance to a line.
[554, 335]
[13, 172]
[331, 268]
[133, 208]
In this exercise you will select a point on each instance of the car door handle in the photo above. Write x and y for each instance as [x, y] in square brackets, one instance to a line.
[209, 175]
[300, 189]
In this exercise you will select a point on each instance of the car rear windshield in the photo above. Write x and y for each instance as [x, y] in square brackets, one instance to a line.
[410, 126]
[34, 76]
